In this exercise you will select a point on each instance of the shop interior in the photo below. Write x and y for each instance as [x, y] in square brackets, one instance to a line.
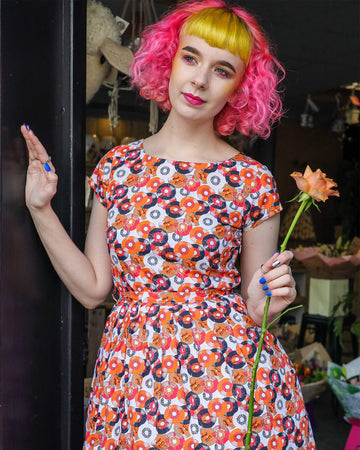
[44, 330]
[320, 129]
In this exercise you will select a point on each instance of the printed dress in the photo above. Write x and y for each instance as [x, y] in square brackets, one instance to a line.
[174, 366]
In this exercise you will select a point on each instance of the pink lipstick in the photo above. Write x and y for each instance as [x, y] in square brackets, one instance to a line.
[193, 100]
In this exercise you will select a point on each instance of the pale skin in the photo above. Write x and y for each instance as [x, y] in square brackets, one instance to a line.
[203, 72]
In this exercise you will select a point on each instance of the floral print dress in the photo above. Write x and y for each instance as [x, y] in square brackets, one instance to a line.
[174, 366]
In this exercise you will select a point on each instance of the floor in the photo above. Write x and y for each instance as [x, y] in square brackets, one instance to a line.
[330, 429]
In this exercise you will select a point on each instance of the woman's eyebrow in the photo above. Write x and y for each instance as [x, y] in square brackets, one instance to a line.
[195, 51]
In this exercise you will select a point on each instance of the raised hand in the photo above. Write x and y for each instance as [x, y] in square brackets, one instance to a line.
[41, 180]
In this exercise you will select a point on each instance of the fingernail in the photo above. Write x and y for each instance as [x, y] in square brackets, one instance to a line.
[277, 251]
[262, 280]
[268, 293]
[275, 263]
[47, 167]
[27, 126]
[265, 288]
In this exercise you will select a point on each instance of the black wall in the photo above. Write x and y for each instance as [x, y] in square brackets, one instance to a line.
[41, 341]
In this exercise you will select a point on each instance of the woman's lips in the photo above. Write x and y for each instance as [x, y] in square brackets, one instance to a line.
[193, 100]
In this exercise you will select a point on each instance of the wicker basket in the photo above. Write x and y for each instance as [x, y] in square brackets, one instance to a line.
[313, 390]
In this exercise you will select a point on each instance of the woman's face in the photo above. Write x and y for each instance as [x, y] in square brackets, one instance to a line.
[203, 79]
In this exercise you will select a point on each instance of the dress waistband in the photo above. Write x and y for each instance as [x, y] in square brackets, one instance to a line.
[190, 296]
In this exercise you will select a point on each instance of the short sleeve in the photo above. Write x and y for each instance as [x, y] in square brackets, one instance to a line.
[99, 180]
[262, 198]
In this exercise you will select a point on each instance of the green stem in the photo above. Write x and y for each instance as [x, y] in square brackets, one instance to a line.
[253, 375]
[304, 203]
[280, 315]
[302, 206]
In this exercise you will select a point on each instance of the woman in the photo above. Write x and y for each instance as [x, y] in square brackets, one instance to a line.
[173, 211]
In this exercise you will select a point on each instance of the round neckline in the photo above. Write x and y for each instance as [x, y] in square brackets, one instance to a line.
[173, 161]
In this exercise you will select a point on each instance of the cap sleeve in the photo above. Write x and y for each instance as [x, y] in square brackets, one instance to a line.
[262, 198]
[99, 180]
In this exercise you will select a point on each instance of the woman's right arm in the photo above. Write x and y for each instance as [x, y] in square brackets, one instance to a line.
[87, 275]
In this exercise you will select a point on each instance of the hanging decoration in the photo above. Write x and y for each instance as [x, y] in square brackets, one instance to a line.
[352, 113]
[307, 117]
[105, 55]
[143, 13]
[338, 123]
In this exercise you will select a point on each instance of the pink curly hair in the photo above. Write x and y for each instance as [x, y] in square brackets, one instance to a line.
[257, 103]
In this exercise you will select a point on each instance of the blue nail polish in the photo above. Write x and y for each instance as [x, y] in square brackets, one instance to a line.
[47, 167]
[268, 293]
[265, 288]
[277, 251]
[262, 280]
[27, 127]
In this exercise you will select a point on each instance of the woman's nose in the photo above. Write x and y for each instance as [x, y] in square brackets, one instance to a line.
[200, 79]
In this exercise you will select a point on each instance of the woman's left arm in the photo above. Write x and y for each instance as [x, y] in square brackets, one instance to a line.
[258, 247]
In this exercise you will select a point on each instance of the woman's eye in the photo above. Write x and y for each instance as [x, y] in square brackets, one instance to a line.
[189, 59]
[223, 73]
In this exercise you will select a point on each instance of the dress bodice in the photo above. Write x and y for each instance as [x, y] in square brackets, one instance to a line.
[176, 227]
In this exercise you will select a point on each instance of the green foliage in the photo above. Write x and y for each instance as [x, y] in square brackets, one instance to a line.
[340, 310]
[355, 329]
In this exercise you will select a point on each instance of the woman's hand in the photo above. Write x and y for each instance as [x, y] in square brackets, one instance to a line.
[41, 180]
[273, 279]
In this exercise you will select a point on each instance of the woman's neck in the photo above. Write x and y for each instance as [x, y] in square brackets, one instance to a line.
[184, 140]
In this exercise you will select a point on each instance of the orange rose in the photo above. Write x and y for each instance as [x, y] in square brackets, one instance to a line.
[315, 184]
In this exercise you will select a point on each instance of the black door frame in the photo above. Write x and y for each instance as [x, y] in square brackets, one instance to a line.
[43, 54]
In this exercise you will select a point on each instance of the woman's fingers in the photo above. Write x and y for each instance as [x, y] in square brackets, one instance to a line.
[277, 279]
[36, 149]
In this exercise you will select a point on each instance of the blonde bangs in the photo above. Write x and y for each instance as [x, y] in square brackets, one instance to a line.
[222, 29]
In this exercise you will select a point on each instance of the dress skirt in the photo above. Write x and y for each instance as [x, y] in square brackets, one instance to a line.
[176, 375]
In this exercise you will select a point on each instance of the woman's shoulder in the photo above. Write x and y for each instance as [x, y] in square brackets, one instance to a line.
[122, 151]
[247, 162]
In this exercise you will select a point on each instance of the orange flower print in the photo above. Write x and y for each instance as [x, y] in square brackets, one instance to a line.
[178, 345]
[178, 180]
[189, 204]
[183, 229]
[276, 443]
[217, 407]
[221, 435]
[143, 180]
[139, 445]
[206, 358]
[136, 365]
[225, 387]
[278, 422]
[131, 245]
[205, 192]
[196, 385]
[141, 398]
[139, 199]
[153, 184]
[290, 379]
[197, 234]
[263, 395]
[131, 180]
[111, 444]
[262, 375]
[315, 184]
[192, 184]
[266, 200]
[210, 385]
[228, 192]
[174, 414]
[170, 390]
[175, 442]
[170, 224]
[237, 437]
